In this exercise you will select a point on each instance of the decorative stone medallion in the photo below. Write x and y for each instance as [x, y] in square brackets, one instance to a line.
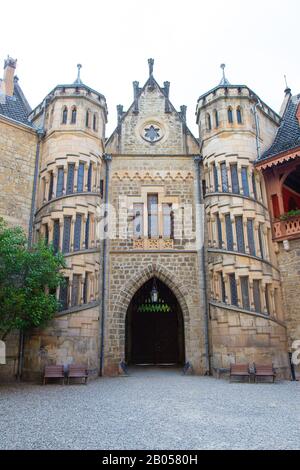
[152, 132]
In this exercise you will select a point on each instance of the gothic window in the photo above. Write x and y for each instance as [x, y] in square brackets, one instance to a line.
[87, 118]
[208, 121]
[94, 122]
[60, 182]
[101, 188]
[89, 177]
[73, 115]
[63, 294]
[77, 232]
[152, 203]
[216, 118]
[256, 295]
[203, 188]
[70, 178]
[223, 290]
[233, 289]
[168, 230]
[67, 233]
[65, 115]
[56, 236]
[76, 290]
[87, 232]
[254, 185]
[245, 181]
[229, 234]
[80, 177]
[138, 220]
[245, 292]
[240, 234]
[224, 177]
[219, 230]
[239, 115]
[250, 233]
[234, 179]
[230, 115]
[50, 194]
[215, 170]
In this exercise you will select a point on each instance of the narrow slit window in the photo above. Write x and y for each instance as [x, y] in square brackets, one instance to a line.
[73, 116]
[65, 115]
[77, 232]
[152, 202]
[240, 234]
[80, 177]
[230, 115]
[67, 233]
[250, 233]
[239, 115]
[229, 233]
[70, 178]
[256, 295]
[60, 182]
[245, 181]
[234, 179]
[224, 177]
[245, 292]
[56, 236]
[233, 289]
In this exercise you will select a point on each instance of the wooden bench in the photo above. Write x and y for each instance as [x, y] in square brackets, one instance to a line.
[77, 371]
[264, 370]
[54, 372]
[240, 370]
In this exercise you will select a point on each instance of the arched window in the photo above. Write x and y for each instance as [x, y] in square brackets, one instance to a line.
[95, 122]
[87, 119]
[65, 115]
[239, 115]
[73, 116]
[216, 118]
[230, 115]
[208, 119]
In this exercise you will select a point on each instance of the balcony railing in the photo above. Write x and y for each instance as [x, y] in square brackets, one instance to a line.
[286, 229]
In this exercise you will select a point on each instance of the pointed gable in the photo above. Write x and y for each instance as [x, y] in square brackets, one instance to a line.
[152, 125]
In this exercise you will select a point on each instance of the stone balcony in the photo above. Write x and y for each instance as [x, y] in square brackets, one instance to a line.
[286, 229]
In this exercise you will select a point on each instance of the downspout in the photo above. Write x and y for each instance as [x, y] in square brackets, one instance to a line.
[40, 134]
[107, 159]
[202, 260]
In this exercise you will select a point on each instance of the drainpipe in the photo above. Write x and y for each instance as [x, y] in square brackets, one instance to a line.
[257, 127]
[202, 259]
[107, 158]
[40, 134]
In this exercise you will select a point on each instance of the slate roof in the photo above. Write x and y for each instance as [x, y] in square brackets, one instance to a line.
[288, 134]
[15, 107]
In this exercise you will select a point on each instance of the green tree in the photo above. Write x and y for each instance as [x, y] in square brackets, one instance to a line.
[28, 280]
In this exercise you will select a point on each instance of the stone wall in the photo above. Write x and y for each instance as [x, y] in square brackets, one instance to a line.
[17, 160]
[70, 338]
[238, 337]
[289, 264]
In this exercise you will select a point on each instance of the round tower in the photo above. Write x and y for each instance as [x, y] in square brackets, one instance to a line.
[235, 126]
[69, 193]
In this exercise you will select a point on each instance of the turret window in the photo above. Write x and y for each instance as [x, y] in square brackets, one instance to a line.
[208, 121]
[245, 182]
[80, 177]
[256, 295]
[60, 182]
[216, 118]
[76, 290]
[94, 122]
[233, 289]
[77, 232]
[224, 178]
[229, 233]
[261, 241]
[73, 115]
[56, 235]
[51, 180]
[67, 233]
[65, 115]
[254, 186]
[87, 232]
[234, 179]
[89, 178]
[230, 115]
[219, 230]
[240, 234]
[87, 119]
[70, 179]
[63, 294]
[215, 171]
[223, 289]
[250, 234]
[239, 115]
[245, 292]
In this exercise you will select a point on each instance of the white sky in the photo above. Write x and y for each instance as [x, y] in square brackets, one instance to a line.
[257, 39]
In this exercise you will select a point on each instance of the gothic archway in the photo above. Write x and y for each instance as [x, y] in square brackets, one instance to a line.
[154, 328]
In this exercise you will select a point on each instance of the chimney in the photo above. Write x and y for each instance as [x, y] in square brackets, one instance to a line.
[7, 84]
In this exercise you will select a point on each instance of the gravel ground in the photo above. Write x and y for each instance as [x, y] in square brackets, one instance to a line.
[151, 410]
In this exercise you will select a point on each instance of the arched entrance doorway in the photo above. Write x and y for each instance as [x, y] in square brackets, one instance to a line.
[154, 327]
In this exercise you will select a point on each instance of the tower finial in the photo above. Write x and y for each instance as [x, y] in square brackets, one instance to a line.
[78, 79]
[224, 80]
[287, 88]
[151, 64]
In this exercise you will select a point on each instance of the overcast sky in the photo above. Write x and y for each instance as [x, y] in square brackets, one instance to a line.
[257, 39]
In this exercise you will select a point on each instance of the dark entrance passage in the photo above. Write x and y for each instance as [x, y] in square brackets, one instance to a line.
[154, 327]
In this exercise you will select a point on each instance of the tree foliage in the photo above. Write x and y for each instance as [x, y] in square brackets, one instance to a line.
[28, 281]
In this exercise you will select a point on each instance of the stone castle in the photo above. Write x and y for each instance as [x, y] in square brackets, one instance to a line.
[179, 249]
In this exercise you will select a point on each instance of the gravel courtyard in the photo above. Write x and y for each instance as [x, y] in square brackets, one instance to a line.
[151, 410]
